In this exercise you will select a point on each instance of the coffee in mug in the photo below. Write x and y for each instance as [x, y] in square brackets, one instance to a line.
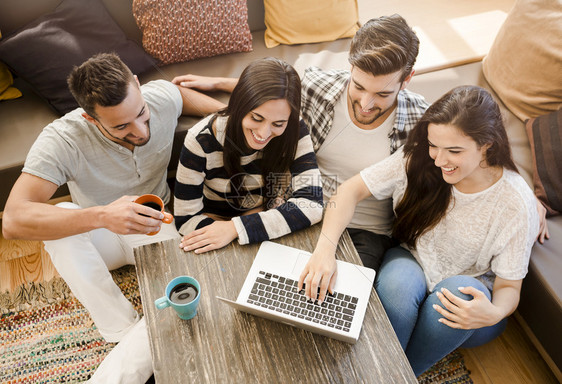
[183, 293]
[154, 202]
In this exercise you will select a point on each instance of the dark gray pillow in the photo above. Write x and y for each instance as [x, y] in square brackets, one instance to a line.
[44, 52]
[546, 148]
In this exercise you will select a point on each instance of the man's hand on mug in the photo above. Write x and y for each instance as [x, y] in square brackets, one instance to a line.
[151, 203]
[125, 217]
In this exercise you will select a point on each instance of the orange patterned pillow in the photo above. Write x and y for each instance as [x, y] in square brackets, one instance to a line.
[180, 30]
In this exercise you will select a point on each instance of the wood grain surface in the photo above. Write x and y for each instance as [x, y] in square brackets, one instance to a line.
[224, 345]
[23, 261]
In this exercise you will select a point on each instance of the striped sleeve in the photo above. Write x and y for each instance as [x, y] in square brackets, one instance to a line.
[301, 209]
[188, 190]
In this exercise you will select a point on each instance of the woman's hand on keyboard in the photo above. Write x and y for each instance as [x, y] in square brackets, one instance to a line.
[320, 272]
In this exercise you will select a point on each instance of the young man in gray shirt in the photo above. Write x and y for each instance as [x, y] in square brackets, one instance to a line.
[115, 147]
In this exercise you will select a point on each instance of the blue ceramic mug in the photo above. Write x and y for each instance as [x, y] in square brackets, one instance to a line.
[182, 294]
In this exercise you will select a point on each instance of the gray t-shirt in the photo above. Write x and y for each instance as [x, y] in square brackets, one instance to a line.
[98, 171]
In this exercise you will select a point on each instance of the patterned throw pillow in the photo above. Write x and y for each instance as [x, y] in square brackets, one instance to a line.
[546, 147]
[181, 30]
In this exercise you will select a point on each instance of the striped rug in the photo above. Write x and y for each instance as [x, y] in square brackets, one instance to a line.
[48, 337]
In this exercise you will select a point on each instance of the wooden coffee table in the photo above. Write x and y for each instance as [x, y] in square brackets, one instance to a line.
[224, 345]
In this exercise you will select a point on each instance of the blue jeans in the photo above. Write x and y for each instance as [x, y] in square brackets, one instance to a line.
[402, 289]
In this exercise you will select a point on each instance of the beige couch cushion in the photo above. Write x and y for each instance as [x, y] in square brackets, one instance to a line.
[310, 21]
[524, 63]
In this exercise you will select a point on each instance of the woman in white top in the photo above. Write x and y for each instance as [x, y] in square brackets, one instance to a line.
[466, 221]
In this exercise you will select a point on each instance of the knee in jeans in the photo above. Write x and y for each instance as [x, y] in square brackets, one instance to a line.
[400, 297]
[452, 284]
[388, 286]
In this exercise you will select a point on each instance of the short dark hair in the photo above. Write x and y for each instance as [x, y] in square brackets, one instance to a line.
[385, 45]
[101, 80]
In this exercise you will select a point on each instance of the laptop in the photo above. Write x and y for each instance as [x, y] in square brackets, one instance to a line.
[270, 291]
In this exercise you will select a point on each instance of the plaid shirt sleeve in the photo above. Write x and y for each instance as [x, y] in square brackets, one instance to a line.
[410, 109]
[320, 92]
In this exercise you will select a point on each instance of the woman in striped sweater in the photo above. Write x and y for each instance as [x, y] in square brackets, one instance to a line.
[249, 171]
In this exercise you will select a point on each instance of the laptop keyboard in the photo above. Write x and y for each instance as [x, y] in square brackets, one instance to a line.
[281, 294]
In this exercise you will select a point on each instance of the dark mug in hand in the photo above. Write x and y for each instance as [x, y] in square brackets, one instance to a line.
[155, 202]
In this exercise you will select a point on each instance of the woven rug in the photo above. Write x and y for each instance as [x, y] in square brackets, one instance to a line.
[48, 337]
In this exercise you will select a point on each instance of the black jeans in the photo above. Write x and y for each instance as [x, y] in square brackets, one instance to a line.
[370, 246]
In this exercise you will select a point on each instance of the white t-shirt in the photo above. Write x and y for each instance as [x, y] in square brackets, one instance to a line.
[346, 151]
[98, 171]
[492, 230]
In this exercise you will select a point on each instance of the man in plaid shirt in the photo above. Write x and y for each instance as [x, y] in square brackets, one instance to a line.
[361, 116]
[367, 125]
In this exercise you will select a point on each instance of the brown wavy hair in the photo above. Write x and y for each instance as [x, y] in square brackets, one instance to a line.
[385, 45]
[472, 110]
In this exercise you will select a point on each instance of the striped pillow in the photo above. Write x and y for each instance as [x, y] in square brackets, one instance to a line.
[546, 146]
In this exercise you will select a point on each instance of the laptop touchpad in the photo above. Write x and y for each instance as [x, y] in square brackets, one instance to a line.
[300, 262]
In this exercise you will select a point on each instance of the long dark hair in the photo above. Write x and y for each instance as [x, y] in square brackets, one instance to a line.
[472, 110]
[261, 81]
